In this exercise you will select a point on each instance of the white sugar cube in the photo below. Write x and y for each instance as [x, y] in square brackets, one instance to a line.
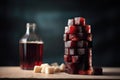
[49, 70]
[43, 67]
[45, 64]
[66, 29]
[72, 51]
[56, 69]
[77, 20]
[70, 22]
[37, 69]
[62, 67]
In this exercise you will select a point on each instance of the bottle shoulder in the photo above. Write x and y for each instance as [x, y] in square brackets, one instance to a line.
[31, 38]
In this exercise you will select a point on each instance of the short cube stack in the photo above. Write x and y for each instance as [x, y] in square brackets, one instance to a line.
[78, 47]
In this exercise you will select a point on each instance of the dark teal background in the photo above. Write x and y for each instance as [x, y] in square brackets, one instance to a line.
[51, 17]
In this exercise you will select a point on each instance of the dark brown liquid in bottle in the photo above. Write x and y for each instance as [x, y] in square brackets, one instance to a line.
[31, 54]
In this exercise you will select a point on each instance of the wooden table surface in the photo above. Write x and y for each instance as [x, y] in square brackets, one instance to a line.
[16, 72]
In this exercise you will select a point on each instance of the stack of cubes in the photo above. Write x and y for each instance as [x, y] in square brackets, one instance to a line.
[78, 47]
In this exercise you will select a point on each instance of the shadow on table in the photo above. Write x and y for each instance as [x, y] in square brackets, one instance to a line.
[111, 73]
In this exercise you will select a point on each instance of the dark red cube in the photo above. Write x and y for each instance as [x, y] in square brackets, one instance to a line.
[87, 28]
[71, 68]
[67, 58]
[72, 29]
[75, 59]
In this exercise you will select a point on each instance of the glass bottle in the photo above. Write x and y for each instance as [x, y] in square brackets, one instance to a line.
[30, 48]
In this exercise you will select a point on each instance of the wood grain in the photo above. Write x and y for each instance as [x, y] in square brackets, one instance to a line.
[16, 72]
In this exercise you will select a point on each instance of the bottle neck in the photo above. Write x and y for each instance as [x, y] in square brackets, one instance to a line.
[30, 28]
